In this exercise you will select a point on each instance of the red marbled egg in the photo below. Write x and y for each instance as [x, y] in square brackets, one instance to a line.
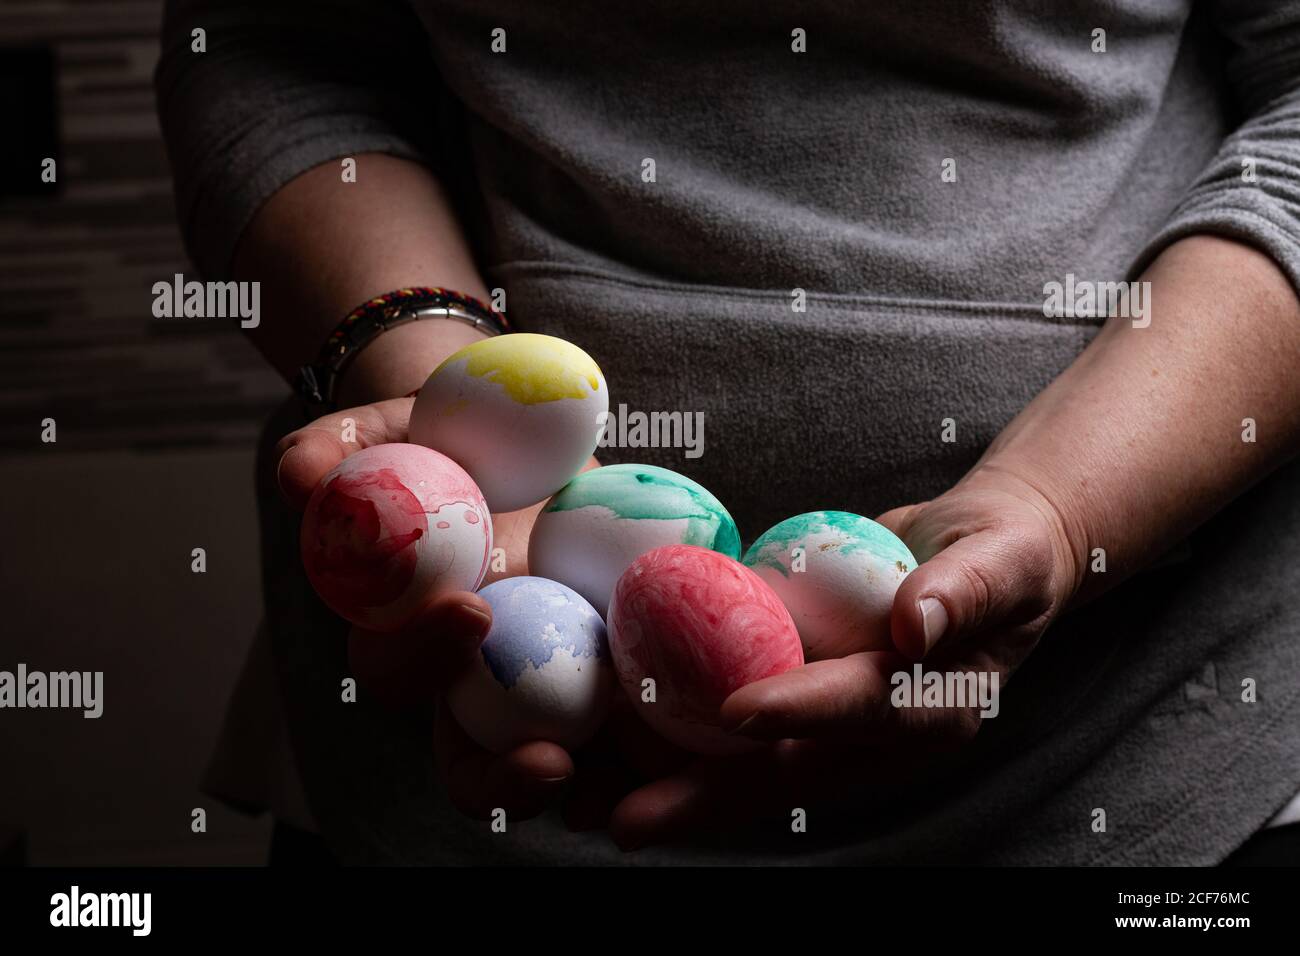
[390, 527]
[700, 625]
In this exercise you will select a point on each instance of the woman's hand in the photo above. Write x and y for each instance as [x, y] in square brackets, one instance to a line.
[996, 568]
[411, 669]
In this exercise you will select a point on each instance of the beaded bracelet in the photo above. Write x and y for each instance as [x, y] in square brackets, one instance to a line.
[317, 382]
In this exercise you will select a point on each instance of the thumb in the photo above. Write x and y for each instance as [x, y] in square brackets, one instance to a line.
[305, 456]
[990, 578]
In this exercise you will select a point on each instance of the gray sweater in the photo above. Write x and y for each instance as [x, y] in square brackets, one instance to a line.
[777, 170]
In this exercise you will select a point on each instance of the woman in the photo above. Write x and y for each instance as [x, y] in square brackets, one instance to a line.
[667, 188]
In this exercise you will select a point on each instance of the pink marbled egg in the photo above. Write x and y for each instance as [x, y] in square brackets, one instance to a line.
[390, 527]
[700, 625]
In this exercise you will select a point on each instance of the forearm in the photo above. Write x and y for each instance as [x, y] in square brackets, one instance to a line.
[320, 247]
[1141, 439]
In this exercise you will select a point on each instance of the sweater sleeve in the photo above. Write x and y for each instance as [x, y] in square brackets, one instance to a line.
[282, 87]
[1250, 191]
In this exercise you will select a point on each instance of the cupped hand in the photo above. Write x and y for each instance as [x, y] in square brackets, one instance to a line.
[411, 669]
[996, 568]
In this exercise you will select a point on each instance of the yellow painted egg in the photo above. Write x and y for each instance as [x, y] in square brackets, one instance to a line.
[521, 413]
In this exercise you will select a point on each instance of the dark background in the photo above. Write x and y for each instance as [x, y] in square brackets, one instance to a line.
[156, 422]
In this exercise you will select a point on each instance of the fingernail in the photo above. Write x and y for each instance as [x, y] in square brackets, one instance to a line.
[481, 620]
[553, 779]
[748, 725]
[934, 620]
[279, 469]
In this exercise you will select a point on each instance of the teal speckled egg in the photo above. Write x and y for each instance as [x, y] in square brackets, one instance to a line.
[836, 573]
[604, 519]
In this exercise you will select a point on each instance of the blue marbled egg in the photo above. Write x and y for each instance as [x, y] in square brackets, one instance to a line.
[544, 670]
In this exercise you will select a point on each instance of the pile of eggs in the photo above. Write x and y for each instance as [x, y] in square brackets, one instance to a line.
[637, 577]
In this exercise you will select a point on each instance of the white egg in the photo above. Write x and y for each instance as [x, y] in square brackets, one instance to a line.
[521, 413]
[837, 574]
[543, 672]
[604, 519]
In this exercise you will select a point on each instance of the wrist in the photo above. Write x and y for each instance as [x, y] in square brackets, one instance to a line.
[399, 361]
[401, 357]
